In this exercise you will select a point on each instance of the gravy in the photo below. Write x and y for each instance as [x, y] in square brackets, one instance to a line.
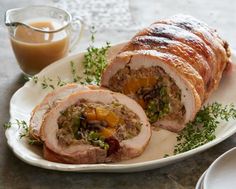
[35, 50]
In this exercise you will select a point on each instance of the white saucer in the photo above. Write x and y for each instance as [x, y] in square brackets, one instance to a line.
[222, 172]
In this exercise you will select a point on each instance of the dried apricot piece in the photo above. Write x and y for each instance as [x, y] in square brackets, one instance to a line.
[112, 119]
[101, 113]
[90, 114]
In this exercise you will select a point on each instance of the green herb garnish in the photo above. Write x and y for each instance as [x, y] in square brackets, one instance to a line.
[60, 83]
[48, 82]
[95, 61]
[7, 125]
[202, 129]
[33, 78]
[24, 130]
[75, 76]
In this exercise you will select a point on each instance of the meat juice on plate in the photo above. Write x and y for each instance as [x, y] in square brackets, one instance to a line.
[35, 50]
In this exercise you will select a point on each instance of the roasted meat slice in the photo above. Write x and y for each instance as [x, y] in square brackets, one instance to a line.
[95, 126]
[176, 82]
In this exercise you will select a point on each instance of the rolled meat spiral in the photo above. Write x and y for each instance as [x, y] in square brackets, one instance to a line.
[94, 126]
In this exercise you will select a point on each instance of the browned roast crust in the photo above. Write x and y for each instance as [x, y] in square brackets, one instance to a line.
[178, 34]
[196, 26]
[209, 36]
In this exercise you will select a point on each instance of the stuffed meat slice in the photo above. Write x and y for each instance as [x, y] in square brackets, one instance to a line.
[95, 126]
[47, 103]
[161, 83]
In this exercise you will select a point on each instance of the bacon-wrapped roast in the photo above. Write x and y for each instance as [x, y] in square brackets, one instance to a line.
[170, 69]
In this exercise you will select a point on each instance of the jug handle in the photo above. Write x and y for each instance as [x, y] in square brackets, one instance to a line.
[77, 26]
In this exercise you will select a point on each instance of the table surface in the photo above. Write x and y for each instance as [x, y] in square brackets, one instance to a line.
[182, 175]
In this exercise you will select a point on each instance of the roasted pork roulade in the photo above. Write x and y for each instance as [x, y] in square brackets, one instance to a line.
[170, 69]
[95, 126]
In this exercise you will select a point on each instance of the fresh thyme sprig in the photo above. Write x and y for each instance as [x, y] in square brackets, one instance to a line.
[7, 125]
[60, 83]
[33, 78]
[47, 83]
[95, 61]
[24, 130]
[202, 129]
[50, 83]
[76, 77]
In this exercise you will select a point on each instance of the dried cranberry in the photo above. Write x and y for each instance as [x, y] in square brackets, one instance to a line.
[114, 145]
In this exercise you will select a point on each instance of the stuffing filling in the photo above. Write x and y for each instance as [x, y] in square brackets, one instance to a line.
[102, 125]
[153, 89]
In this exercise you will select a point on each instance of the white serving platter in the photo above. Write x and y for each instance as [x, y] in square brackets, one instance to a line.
[162, 142]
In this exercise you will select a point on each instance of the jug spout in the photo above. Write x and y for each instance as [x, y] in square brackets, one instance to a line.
[11, 17]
